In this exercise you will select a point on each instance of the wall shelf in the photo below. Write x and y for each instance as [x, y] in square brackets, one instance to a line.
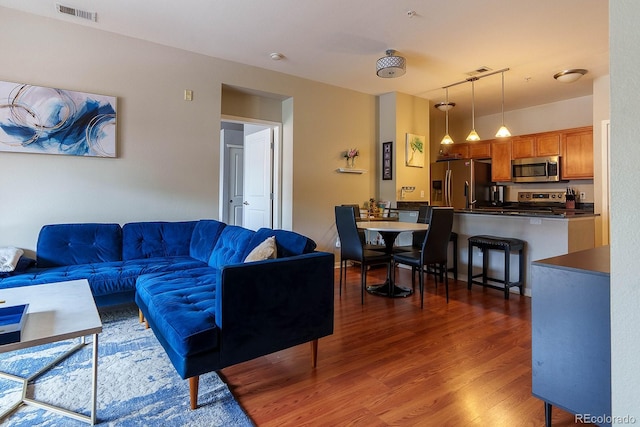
[350, 170]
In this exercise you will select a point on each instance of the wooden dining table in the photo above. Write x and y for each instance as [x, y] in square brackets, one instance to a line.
[389, 231]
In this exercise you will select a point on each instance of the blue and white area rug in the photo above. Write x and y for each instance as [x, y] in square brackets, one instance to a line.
[137, 385]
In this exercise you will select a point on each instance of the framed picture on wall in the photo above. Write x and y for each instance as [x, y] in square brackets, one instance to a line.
[387, 160]
[38, 119]
[415, 150]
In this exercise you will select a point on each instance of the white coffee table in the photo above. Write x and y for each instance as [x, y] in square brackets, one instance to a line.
[57, 312]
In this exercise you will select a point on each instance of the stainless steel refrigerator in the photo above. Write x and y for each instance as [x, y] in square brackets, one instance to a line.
[461, 183]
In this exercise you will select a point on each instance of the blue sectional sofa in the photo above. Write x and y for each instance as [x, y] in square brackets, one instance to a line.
[208, 307]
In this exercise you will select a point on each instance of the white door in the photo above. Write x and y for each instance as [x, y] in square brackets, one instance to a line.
[257, 209]
[236, 186]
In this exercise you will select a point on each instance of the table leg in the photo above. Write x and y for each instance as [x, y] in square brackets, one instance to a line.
[389, 288]
[24, 400]
[94, 380]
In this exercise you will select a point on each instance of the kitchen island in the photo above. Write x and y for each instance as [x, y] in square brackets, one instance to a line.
[546, 234]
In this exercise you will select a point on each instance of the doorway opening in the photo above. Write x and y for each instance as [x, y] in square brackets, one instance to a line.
[250, 165]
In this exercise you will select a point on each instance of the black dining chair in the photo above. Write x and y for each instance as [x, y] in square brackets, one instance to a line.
[361, 233]
[434, 248]
[352, 248]
[417, 236]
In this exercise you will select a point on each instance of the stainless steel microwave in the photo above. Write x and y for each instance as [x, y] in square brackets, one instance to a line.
[536, 169]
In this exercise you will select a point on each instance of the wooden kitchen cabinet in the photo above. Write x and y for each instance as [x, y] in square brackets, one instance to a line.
[480, 150]
[459, 149]
[538, 145]
[501, 161]
[577, 154]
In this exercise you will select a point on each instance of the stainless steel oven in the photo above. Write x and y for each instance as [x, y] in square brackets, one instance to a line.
[536, 169]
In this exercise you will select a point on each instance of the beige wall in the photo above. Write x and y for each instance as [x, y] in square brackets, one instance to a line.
[168, 149]
[401, 114]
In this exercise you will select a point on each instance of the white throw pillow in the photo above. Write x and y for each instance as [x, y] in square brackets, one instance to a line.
[9, 257]
[265, 250]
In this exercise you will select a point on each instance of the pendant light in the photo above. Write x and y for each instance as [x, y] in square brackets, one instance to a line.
[503, 132]
[473, 135]
[446, 140]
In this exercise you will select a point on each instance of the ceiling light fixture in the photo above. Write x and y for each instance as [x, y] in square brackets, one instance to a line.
[276, 56]
[503, 132]
[473, 135]
[446, 106]
[570, 76]
[391, 65]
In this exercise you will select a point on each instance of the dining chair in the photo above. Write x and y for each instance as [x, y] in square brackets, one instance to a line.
[434, 248]
[352, 248]
[362, 234]
[417, 237]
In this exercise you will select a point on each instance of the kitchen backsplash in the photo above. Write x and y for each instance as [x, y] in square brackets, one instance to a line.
[586, 186]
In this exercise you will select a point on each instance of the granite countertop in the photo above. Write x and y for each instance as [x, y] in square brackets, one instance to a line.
[596, 260]
[409, 205]
[556, 213]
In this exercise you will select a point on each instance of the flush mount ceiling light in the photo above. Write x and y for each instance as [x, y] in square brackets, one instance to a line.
[446, 106]
[391, 65]
[503, 132]
[570, 76]
[276, 56]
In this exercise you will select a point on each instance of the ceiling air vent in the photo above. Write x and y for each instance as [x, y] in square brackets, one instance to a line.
[479, 70]
[90, 16]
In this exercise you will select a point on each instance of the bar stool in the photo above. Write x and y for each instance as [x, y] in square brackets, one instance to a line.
[505, 244]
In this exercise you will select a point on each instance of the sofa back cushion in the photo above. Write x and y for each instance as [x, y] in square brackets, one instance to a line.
[204, 238]
[231, 247]
[289, 243]
[156, 239]
[72, 244]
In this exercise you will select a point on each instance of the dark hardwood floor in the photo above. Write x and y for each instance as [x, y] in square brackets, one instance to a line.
[466, 363]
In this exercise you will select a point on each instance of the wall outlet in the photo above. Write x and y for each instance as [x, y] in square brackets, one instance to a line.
[422, 193]
[338, 242]
[535, 221]
[582, 195]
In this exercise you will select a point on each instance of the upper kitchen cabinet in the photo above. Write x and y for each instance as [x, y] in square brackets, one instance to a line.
[538, 145]
[577, 154]
[480, 150]
[460, 150]
[470, 150]
[501, 160]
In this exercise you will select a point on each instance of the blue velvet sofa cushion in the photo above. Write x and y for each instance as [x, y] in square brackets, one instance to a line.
[231, 247]
[72, 244]
[205, 235]
[289, 243]
[156, 239]
[104, 278]
[24, 263]
[183, 306]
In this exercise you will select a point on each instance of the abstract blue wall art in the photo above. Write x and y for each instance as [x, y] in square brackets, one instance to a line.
[35, 119]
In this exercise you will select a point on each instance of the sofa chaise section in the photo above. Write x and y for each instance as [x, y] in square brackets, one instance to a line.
[231, 311]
